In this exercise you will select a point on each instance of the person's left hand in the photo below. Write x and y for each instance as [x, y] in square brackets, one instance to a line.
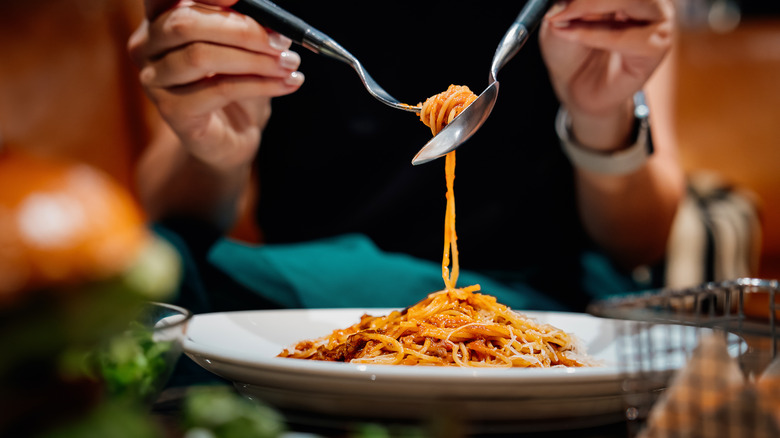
[600, 52]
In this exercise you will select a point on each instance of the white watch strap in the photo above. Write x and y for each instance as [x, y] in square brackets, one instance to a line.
[621, 162]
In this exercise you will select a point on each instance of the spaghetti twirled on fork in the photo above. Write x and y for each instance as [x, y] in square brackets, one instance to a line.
[455, 326]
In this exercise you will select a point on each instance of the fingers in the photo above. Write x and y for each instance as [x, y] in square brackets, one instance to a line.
[191, 102]
[210, 70]
[645, 40]
[633, 27]
[182, 103]
[200, 60]
[193, 42]
[599, 52]
[195, 22]
[589, 10]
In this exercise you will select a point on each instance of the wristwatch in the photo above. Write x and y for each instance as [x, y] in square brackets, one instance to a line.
[620, 162]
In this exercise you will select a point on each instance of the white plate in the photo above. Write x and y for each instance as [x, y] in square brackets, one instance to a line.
[242, 347]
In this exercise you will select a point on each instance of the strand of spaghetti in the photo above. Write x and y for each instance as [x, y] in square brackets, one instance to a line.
[388, 341]
[520, 359]
[456, 357]
[422, 313]
[480, 347]
[436, 112]
[448, 110]
[479, 329]
[421, 356]
[450, 236]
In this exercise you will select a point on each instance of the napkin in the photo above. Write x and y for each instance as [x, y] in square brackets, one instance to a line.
[349, 271]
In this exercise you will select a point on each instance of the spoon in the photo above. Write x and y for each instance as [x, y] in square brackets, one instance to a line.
[270, 15]
[472, 118]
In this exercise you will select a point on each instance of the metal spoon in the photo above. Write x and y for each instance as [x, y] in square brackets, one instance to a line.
[270, 15]
[472, 118]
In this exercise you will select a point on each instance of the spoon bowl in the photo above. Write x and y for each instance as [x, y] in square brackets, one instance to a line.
[461, 128]
[471, 119]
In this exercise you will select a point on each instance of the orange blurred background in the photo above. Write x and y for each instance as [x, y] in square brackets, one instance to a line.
[727, 113]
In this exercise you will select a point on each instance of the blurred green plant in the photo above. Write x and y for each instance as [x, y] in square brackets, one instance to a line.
[113, 419]
[218, 412]
[133, 364]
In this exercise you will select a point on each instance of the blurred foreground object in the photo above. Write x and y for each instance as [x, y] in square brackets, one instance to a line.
[710, 397]
[63, 224]
[137, 363]
[77, 263]
[219, 412]
[727, 387]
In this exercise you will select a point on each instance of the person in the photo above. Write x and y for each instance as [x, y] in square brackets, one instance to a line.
[330, 161]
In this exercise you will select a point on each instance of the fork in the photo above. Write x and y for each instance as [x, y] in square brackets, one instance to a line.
[270, 15]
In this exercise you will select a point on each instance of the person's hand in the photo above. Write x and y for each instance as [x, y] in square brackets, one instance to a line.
[600, 52]
[212, 73]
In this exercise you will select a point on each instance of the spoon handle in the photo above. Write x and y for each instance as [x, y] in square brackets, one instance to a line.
[531, 14]
[517, 34]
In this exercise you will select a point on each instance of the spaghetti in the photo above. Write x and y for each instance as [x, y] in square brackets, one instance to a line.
[454, 326]
[437, 111]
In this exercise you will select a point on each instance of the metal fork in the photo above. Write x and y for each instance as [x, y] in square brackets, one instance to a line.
[270, 15]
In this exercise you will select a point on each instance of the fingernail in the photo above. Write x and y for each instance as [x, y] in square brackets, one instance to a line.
[294, 79]
[289, 60]
[557, 8]
[279, 41]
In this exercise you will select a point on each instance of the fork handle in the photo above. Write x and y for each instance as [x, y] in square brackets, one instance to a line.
[270, 15]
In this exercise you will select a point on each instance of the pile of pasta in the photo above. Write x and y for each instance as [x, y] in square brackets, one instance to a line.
[454, 326]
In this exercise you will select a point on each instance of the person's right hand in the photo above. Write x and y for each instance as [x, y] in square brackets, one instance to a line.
[212, 73]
